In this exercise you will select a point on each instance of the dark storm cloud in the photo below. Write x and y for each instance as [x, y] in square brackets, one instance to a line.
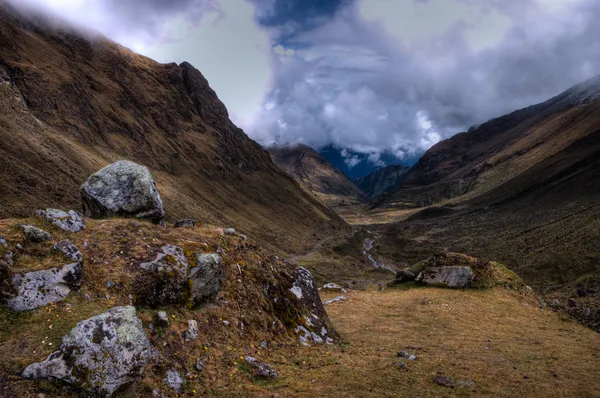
[356, 84]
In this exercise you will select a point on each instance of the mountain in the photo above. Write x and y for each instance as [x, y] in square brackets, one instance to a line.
[356, 164]
[489, 155]
[523, 189]
[383, 180]
[71, 104]
[316, 175]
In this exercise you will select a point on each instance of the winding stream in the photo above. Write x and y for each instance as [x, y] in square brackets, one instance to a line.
[368, 251]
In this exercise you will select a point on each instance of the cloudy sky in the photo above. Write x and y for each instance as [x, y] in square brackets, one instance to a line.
[367, 75]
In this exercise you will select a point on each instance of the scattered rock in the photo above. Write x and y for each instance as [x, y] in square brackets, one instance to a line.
[580, 291]
[332, 287]
[572, 303]
[443, 381]
[70, 221]
[174, 380]
[226, 323]
[261, 369]
[135, 223]
[207, 277]
[125, 189]
[69, 250]
[451, 276]
[187, 223]
[591, 291]
[199, 365]
[403, 354]
[263, 344]
[3, 241]
[162, 320]
[40, 288]
[412, 357]
[229, 231]
[554, 304]
[19, 246]
[192, 332]
[34, 234]
[109, 284]
[243, 237]
[165, 277]
[404, 276]
[401, 365]
[98, 355]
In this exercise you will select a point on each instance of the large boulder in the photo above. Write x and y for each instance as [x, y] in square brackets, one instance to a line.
[163, 279]
[122, 189]
[70, 221]
[207, 277]
[39, 288]
[99, 355]
[301, 308]
[450, 276]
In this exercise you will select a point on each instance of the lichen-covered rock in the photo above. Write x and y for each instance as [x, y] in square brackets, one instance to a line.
[99, 355]
[70, 221]
[192, 331]
[34, 234]
[301, 309]
[162, 320]
[261, 369]
[124, 189]
[40, 288]
[163, 280]
[207, 277]
[187, 223]
[174, 380]
[450, 276]
[69, 250]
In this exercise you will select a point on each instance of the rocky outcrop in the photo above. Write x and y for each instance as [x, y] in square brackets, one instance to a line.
[261, 369]
[70, 221]
[40, 288]
[169, 280]
[207, 277]
[34, 234]
[99, 355]
[163, 279]
[187, 223]
[452, 276]
[69, 250]
[304, 310]
[404, 276]
[123, 189]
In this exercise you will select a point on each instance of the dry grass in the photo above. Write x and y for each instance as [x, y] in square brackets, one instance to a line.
[504, 345]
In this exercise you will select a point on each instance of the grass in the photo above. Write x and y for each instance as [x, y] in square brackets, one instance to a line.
[492, 342]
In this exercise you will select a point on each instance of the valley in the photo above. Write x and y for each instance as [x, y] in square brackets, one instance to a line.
[149, 247]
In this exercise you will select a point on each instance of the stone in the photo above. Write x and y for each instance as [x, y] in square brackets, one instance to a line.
[334, 300]
[261, 369]
[207, 277]
[451, 276]
[40, 288]
[401, 365]
[443, 381]
[69, 250]
[99, 355]
[174, 380]
[229, 231]
[554, 304]
[109, 284]
[187, 223]
[162, 320]
[35, 235]
[403, 354]
[192, 331]
[404, 276]
[70, 221]
[3, 241]
[580, 291]
[163, 278]
[572, 302]
[333, 287]
[199, 365]
[123, 189]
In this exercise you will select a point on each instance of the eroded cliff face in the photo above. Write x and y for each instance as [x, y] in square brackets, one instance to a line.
[71, 104]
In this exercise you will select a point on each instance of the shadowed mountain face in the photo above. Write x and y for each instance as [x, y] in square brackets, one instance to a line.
[317, 175]
[69, 105]
[383, 180]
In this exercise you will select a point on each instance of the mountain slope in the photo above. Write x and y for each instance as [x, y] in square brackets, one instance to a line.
[383, 180]
[316, 175]
[486, 157]
[71, 104]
